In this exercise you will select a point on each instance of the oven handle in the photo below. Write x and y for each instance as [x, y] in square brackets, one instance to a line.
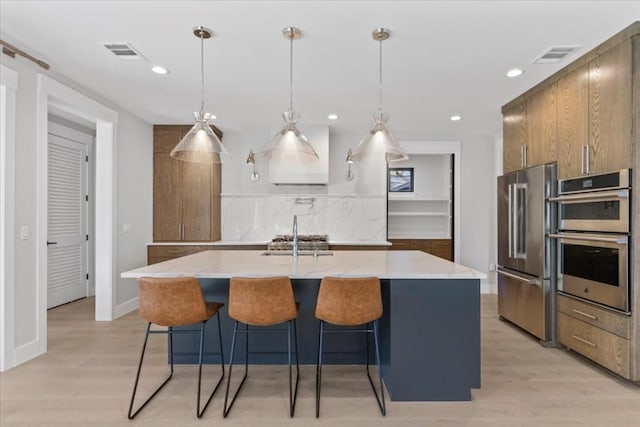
[518, 277]
[615, 194]
[622, 240]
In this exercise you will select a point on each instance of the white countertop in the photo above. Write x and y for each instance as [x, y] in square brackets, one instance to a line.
[382, 264]
[264, 242]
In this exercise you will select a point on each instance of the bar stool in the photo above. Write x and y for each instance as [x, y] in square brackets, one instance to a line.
[174, 302]
[350, 302]
[262, 302]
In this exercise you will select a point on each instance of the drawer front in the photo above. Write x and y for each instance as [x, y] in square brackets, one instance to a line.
[401, 244]
[173, 251]
[607, 349]
[604, 319]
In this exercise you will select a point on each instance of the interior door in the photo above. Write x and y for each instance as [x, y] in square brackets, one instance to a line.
[67, 221]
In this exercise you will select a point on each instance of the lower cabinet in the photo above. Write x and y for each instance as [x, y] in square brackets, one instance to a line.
[160, 253]
[596, 333]
[438, 247]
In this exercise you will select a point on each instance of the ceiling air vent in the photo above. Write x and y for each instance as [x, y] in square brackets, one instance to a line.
[555, 54]
[124, 51]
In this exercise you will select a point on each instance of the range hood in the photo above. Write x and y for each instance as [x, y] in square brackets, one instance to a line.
[301, 173]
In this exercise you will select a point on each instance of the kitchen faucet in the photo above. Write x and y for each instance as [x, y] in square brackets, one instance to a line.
[294, 251]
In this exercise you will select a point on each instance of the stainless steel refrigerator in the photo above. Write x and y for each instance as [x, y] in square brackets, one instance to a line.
[526, 255]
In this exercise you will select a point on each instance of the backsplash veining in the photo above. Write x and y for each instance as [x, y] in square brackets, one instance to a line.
[357, 218]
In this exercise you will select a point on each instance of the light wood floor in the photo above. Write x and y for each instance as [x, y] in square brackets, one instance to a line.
[85, 379]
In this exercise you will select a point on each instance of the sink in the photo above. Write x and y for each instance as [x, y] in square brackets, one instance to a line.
[300, 253]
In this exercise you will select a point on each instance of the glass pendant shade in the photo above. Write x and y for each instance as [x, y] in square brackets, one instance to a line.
[289, 143]
[379, 140]
[200, 144]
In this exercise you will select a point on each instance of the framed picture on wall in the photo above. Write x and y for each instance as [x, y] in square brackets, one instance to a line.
[401, 180]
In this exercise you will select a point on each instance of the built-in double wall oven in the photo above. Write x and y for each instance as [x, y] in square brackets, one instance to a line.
[593, 238]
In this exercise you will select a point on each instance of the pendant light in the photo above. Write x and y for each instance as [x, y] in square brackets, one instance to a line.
[379, 138]
[201, 144]
[289, 143]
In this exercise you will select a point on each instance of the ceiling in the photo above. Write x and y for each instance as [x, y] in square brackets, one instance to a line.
[443, 58]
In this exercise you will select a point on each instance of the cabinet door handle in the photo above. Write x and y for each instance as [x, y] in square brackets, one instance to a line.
[582, 313]
[589, 343]
[587, 149]
[524, 152]
[582, 160]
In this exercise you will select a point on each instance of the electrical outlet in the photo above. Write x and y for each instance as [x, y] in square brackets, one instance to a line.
[25, 232]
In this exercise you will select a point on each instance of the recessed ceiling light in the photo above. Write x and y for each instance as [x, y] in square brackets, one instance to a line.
[456, 118]
[514, 72]
[159, 70]
[332, 117]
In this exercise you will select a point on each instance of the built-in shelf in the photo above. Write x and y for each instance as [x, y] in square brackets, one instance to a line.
[425, 213]
[418, 214]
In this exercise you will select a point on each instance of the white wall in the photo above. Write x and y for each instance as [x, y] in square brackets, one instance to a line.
[134, 148]
[477, 210]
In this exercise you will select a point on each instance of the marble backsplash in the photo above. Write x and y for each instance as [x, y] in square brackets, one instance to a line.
[357, 218]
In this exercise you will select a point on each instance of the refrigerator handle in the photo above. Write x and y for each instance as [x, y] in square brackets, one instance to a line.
[521, 200]
[510, 220]
[518, 277]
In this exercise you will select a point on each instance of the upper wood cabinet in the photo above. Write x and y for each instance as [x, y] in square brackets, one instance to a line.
[529, 130]
[541, 125]
[581, 117]
[611, 109]
[573, 121]
[514, 133]
[186, 196]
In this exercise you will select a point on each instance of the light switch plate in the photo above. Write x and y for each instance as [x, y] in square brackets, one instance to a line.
[126, 228]
[25, 233]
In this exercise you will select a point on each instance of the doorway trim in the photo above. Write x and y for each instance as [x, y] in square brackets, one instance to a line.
[51, 92]
[8, 89]
[444, 147]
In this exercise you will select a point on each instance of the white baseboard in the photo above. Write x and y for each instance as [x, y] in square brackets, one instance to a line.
[126, 307]
[28, 351]
[488, 288]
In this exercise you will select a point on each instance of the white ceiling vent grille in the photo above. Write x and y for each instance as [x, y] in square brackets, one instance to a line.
[123, 51]
[555, 54]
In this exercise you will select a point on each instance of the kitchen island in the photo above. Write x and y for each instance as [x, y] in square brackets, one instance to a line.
[430, 329]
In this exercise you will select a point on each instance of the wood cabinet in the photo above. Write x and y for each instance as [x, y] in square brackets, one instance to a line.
[514, 133]
[160, 253]
[610, 109]
[541, 126]
[529, 130]
[596, 333]
[595, 115]
[186, 196]
[573, 122]
[439, 247]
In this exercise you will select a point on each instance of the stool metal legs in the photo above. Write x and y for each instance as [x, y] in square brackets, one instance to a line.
[374, 331]
[198, 411]
[293, 391]
[170, 332]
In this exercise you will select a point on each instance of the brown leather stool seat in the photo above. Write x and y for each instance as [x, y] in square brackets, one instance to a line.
[175, 302]
[263, 301]
[347, 301]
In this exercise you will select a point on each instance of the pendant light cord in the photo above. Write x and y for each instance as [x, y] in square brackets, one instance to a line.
[291, 72]
[202, 72]
[380, 75]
